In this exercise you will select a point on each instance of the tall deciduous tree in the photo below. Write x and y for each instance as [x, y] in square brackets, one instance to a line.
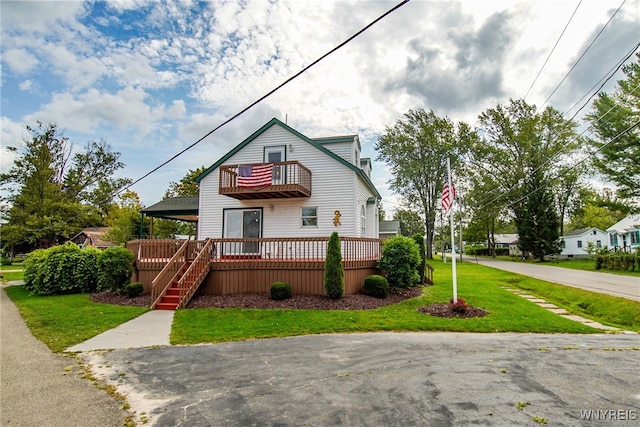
[124, 219]
[615, 120]
[410, 222]
[53, 193]
[416, 149]
[519, 147]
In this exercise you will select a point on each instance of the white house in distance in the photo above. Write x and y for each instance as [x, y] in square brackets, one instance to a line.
[281, 183]
[624, 235]
[576, 243]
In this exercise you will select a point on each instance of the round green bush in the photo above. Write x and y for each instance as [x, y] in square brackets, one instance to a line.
[280, 291]
[64, 269]
[400, 261]
[376, 286]
[115, 266]
[134, 289]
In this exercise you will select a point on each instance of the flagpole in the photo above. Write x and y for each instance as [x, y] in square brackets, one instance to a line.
[453, 241]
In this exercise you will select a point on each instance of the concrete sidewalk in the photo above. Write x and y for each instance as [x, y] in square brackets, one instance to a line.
[152, 328]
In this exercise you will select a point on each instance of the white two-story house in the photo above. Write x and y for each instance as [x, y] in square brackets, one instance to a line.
[281, 183]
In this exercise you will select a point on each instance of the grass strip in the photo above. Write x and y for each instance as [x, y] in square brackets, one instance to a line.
[61, 321]
[606, 309]
[478, 285]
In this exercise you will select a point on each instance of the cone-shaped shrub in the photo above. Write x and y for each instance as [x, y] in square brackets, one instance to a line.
[333, 270]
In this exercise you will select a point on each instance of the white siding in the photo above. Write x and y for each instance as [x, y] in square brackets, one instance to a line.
[571, 242]
[342, 149]
[333, 188]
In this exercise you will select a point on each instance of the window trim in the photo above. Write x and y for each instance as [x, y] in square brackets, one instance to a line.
[308, 217]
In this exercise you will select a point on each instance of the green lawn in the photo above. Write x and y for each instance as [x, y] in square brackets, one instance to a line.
[65, 320]
[12, 272]
[62, 321]
[478, 285]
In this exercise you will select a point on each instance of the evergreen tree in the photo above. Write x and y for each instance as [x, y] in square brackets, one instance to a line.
[538, 222]
[333, 269]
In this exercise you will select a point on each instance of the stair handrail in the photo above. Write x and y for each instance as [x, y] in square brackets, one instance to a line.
[195, 274]
[173, 266]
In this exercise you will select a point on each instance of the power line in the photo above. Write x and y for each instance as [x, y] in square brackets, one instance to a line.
[265, 96]
[553, 49]
[583, 53]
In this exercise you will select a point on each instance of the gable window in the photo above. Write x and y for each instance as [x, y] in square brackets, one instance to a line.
[579, 243]
[599, 243]
[310, 217]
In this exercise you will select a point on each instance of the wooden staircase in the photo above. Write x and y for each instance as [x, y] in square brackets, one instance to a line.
[171, 298]
[185, 278]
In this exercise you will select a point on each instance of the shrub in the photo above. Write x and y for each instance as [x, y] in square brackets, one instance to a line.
[333, 270]
[33, 266]
[459, 306]
[419, 239]
[400, 260]
[64, 269]
[134, 289]
[376, 286]
[280, 291]
[115, 266]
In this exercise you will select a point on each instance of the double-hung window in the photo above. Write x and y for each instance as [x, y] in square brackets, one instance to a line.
[310, 217]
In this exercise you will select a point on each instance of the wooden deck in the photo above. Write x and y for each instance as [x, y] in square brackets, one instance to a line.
[252, 265]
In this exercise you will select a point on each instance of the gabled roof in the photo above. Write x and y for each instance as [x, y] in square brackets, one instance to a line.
[582, 232]
[392, 226]
[95, 235]
[505, 238]
[180, 208]
[632, 222]
[314, 143]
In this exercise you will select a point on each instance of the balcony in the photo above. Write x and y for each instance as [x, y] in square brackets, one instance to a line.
[265, 180]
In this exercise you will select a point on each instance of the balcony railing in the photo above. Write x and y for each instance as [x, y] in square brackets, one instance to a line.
[265, 180]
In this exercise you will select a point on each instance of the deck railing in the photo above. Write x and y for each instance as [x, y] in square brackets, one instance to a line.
[354, 249]
[290, 179]
[195, 274]
[170, 271]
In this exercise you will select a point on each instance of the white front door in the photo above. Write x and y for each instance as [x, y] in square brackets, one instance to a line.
[276, 154]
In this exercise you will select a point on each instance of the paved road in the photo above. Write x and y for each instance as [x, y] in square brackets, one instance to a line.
[384, 379]
[40, 388]
[612, 284]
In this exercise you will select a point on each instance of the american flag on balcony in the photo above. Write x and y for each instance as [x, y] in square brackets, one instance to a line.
[253, 176]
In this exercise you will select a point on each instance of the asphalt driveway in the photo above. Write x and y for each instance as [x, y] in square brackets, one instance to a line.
[605, 283]
[391, 379]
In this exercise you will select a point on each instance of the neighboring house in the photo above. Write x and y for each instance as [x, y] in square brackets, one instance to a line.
[281, 183]
[92, 237]
[389, 229]
[624, 235]
[575, 243]
[504, 240]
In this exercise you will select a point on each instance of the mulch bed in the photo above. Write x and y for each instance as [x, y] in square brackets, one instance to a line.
[445, 310]
[263, 301]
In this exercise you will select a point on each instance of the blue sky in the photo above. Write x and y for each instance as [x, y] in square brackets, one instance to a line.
[152, 77]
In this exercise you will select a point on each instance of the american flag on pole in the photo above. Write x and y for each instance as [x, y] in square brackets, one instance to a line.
[448, 195]
[254, 176]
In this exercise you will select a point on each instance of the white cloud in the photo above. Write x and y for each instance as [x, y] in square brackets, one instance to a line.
[19, 60]
[125, 109]
[26, 85]
[38, 17]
